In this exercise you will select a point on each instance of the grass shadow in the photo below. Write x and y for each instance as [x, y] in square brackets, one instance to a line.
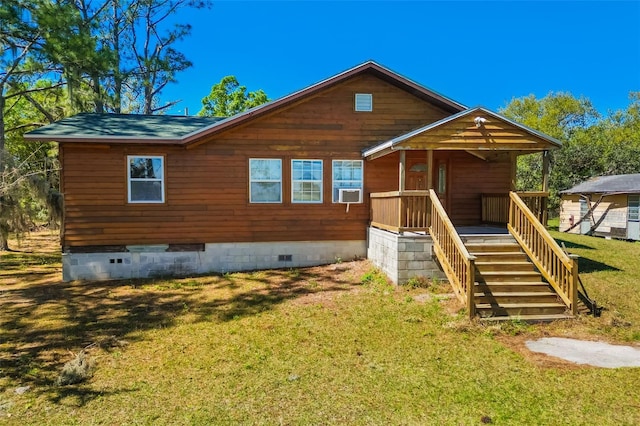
[570, 244]
[586, 266]
[78, 396]
[43, 319]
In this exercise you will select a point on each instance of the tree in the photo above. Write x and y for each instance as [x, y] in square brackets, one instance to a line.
[561, 116]
[108, 55]
[21, 41]
[142, 34]
[228, 98]
[591, 145]
[30, 178]
[621, 130]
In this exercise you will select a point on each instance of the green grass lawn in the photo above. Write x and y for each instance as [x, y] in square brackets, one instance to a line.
[327, 345]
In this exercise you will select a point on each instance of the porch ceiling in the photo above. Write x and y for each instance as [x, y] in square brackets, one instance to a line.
[474, 130]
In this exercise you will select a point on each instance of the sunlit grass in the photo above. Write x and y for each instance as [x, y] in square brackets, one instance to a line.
[330, 345]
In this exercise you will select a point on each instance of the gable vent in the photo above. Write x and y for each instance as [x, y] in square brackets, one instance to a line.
[364, 102]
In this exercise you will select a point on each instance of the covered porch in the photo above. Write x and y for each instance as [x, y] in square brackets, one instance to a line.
[469, 160]
[457, 175]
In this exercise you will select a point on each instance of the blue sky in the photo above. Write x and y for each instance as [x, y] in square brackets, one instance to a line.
[477, 52]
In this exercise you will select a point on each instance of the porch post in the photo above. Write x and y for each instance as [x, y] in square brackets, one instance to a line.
[545, 186]
[401, 174]
[545, 171]
[429, 169]
[514, 171]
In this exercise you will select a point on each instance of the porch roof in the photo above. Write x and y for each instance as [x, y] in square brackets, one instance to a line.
[474, 130]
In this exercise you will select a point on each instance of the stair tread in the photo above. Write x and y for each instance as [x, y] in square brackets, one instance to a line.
[512, 283]
[510, 273]
[495, 243]
[503, 262]
[521, 305]
[514, 293]
[498, 253]
[547, 317]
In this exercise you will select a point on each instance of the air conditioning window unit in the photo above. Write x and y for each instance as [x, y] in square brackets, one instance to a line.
[349, 195]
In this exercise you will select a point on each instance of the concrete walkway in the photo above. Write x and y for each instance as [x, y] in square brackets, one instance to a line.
[598, 354]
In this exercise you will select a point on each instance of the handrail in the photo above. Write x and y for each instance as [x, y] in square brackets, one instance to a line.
[559, 269]
[457, 263]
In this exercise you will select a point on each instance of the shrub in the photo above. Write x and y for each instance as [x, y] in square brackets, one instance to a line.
[79, 369]
[418, 282]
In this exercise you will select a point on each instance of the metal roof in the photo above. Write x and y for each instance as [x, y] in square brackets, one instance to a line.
[607, 184]
[107, 127]
[395, 141]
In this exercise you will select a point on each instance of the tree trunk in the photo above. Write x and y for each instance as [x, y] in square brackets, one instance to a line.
[4, 237]
[2, 135]
[4, 230]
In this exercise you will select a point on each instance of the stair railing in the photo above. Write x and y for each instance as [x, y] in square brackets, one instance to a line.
[558, 268]
[457, 263]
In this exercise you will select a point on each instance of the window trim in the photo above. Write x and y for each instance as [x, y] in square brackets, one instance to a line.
[321, 181]
[333, 180]
[161, 180]
[633, 208]
[251, 180]
[363, 96]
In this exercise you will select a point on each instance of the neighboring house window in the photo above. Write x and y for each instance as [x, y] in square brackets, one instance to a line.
[306, 181]
[346, 174]
[265, 180]
[364, 102]
[146, 179]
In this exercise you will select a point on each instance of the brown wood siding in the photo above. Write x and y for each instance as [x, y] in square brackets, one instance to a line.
[471, 177]
[206, 187]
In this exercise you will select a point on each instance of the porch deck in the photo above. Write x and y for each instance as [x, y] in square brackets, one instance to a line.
[480, 229]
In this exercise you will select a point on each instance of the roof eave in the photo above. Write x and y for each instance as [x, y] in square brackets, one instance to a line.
[103, 139]
[395, 141]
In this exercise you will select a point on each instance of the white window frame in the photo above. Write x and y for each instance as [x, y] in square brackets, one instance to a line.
[251, 181]
[632, 207]
[317, 181]
[335, 194]
[367, 98]
[130, 180]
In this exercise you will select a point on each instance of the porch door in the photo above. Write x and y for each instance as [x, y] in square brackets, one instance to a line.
[585, 225]
[417, 177]
[441, 183]
[633, 222]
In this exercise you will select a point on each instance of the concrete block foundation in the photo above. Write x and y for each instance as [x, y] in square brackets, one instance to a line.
[147, 261]
[402, 257]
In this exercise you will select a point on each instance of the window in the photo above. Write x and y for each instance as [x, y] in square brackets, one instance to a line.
[364, 102]
[634, 207]
[442, 179]
[306, 181]
[346, 174]
[265, 180]
[146, 179]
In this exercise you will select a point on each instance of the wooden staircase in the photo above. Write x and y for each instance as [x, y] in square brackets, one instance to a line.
[507, 285]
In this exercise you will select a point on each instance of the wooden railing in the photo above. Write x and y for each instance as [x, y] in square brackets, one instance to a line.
[400, 211]
[457, 263]
[495, 207]
[558, 268]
